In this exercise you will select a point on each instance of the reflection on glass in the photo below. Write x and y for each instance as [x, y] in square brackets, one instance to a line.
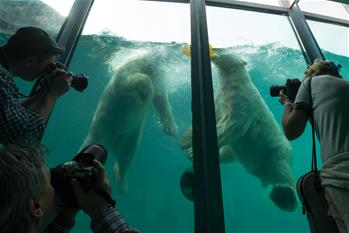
[252, 52]
[16, 14]
[61, 6]
[323, 7]
[337, 51]
[137, 105]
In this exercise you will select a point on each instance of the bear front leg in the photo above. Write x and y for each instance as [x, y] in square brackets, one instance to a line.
[163, 107]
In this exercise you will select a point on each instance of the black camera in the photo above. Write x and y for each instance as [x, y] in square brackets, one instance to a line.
[79, 82]
[80, 168]
[290, 89]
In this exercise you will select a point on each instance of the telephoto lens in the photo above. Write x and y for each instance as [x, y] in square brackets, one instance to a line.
[80, 168]
[275, 90]
[79, 82]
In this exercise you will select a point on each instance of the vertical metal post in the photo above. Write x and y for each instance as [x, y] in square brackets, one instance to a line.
[72, 28]
[304, 34]
[208, 204]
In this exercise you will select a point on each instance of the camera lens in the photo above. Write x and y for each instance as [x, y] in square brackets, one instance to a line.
[275, 90]
[79, 82]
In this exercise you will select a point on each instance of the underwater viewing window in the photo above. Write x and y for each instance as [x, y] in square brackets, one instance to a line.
[251, 52]
[134, 53]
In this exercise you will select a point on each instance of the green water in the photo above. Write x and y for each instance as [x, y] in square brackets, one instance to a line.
[154, 202]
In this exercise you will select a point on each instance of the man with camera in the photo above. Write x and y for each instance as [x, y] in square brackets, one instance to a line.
[328, 105]
[29, 201]
[26, 54]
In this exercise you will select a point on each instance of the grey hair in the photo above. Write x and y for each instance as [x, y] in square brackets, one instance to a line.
[21, 179]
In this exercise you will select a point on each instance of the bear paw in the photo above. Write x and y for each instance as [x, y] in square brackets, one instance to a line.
[284, 197]
[170, 127]
[189, 153]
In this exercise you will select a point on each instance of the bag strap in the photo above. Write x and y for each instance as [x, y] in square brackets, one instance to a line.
[312, 124]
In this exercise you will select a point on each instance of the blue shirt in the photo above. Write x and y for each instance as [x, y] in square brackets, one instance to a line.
[17, 124]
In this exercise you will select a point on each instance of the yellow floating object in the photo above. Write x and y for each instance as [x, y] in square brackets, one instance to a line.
[187, 50]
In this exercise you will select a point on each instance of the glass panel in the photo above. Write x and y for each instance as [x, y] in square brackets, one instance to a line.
[136, 47]
[323, 7]
[251, 52]
[337, 50]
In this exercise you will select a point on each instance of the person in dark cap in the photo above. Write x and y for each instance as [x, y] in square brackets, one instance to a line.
[27, 54]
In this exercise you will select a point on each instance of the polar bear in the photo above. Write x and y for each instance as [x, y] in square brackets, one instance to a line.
[247, 131]
[118, 120]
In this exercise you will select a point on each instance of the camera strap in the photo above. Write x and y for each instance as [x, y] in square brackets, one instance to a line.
[312, 123]
[105, 195]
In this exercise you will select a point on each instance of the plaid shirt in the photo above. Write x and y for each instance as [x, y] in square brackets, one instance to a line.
[17, 124]
[110, 222]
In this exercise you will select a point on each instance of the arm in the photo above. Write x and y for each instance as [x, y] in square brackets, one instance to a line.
[63, 223]
[105, 219]
[111, 221]
[293, 121]
[47, 98]
[17, 124]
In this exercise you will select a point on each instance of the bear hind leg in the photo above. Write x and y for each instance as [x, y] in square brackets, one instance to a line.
[126, 152]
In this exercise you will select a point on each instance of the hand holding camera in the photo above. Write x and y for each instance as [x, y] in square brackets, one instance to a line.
[284, 100]
[59, 85]
[56, 80]
[82, 182]
[290, 90]
[90, 202]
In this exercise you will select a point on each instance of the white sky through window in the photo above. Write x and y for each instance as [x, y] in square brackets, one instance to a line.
[166, 22]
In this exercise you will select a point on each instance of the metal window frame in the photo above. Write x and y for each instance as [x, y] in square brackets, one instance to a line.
[325, 19]
[208, 209]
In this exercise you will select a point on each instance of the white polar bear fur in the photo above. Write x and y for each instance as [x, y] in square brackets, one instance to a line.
[248, 133]
[118, 120]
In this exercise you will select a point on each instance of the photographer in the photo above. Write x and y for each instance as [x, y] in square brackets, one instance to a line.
[26, 54]
[330, 98]
[28, 201]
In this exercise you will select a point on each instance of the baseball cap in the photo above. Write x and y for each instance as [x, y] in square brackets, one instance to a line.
[32, 41]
